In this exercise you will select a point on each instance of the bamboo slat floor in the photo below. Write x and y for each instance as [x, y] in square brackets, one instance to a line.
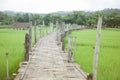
[49, 62]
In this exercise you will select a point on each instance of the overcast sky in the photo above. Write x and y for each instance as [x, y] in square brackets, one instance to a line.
[46, 6]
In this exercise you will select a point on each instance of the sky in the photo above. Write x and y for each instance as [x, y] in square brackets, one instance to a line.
[47, 6]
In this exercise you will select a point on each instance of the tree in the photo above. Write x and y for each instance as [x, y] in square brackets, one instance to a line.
[5, 19]
[111, 17]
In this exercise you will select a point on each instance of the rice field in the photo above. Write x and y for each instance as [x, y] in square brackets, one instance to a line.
[12, 42]
[109, 55]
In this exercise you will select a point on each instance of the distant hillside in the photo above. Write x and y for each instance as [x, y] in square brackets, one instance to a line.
[9, 12]
[61, 12]
[13, 12]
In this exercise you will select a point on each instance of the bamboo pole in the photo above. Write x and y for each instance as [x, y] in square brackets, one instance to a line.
[40, 31]
[35, 32]
[7, 67]
[27, 46]
[70, 42]
[96, 51]
[30, 33]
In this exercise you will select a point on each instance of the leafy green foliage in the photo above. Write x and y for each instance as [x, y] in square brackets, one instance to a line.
[111, 18]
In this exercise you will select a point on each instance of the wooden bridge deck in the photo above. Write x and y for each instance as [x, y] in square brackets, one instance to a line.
[49, 62]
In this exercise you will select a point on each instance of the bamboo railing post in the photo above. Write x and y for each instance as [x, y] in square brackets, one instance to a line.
[60, 33]
[70, 49]
[47, 31]
[96, 51]
[74, 45]
[27, 46]
[62, 41]
[57, 29]
[51, 27]
[40, 31]
[30, 34]
[62, 36]
[35, 32]
[43, 31]
[7, 68]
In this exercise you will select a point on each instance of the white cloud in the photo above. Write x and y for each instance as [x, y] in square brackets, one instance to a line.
[45, 6]
[100, 4]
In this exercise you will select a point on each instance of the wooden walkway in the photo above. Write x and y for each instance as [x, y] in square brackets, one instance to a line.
[49, 62]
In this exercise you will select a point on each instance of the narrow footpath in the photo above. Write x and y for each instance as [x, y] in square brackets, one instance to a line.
[49, 62]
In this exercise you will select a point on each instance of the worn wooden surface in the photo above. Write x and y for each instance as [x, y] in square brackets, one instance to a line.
[48, 62]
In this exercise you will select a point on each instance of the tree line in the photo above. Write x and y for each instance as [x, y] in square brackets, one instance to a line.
[111, 18]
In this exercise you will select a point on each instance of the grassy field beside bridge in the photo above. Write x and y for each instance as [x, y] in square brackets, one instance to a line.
[12, 41]
[109, 56]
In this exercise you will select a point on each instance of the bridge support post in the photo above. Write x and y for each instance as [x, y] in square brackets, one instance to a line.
[43, 28]
[30, 35]
[58, 26]
[35, 32]
[27, 46]
[96, 51]
[70, 40]
[62, 41]
[40, 31]
[51, 27]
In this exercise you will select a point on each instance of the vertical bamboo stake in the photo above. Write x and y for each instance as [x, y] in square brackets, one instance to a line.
[7, 67]
[57, 29]
[60, 33]
[62, 36]
[62, 41]
[70, 49]
[40, 32]
[46, 30]
[35, 32]
[27, 46]
[51, 27]
[96, 51]
[74, 46]
[43, 31]
[30, 33]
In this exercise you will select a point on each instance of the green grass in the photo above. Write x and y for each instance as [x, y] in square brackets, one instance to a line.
[5, 26]
[12, 41]
[109, 56]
